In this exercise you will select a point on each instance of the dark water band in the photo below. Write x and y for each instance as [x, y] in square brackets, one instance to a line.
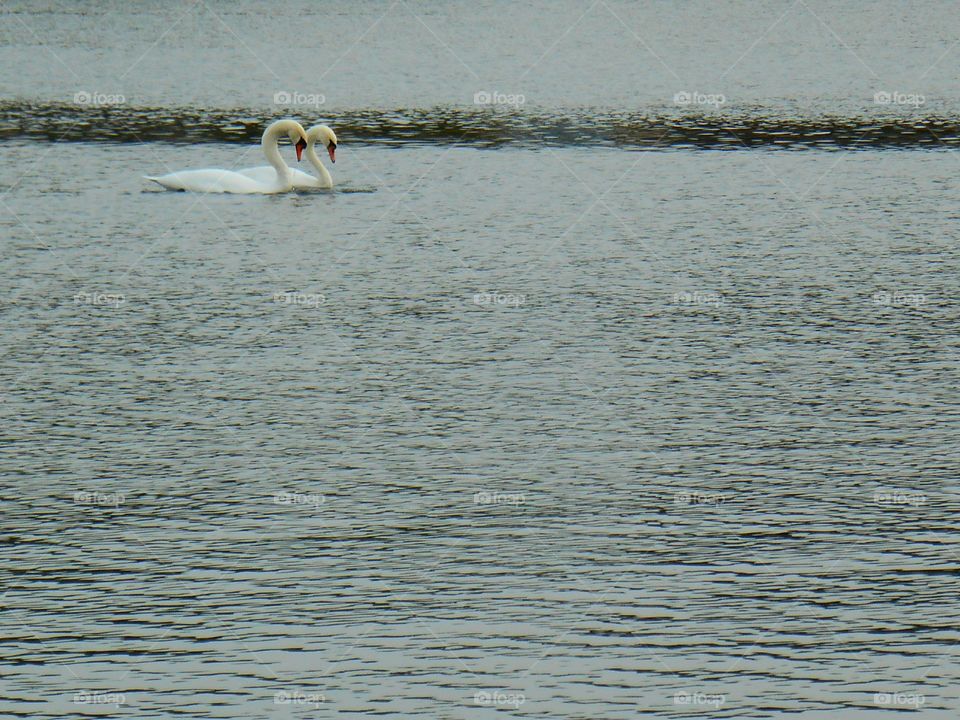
[481, 127]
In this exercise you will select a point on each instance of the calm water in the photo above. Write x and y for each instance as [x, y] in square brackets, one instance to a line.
[534, 415]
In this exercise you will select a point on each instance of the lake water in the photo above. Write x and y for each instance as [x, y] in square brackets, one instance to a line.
[623, 401]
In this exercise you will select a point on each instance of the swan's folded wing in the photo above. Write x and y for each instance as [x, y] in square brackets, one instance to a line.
[210, 181]
[262, 174]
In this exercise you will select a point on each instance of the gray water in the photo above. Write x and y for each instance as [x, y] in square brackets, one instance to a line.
[556, 425]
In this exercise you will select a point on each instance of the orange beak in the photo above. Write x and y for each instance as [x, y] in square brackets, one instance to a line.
[331, 151]
[301, 145]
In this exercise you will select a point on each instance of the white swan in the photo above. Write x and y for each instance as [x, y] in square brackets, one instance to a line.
[301, 179]
[277, 180]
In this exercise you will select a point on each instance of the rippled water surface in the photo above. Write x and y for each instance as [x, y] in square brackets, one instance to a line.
[534, 414]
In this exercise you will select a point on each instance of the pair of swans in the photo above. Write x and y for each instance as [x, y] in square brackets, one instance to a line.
[278, 177]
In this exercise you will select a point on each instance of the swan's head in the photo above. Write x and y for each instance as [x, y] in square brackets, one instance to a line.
[294, 131]
[325, 136]
[299, 139]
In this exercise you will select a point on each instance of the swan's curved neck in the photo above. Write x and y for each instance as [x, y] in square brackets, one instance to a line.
[319, 166]
[271, 150]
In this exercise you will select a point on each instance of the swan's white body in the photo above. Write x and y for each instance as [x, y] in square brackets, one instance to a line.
[299, 178]
[278, 179]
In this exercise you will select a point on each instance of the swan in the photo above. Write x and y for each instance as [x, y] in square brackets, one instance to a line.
[301, 179]
[276, 180]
